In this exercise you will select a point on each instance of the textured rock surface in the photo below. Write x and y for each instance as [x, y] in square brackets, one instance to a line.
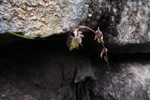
[121, 21]
[41, 18]
[42, 70]
[127, 22]
[22, 78]
[135, 22]
[130, 76]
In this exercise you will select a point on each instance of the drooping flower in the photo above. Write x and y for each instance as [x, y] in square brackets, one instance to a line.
[99, 36]
[75, 40]
[96, 38]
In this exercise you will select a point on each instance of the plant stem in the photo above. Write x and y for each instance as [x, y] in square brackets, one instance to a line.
[108, 65]
[83, 27]
[107, 60]
[25, 37]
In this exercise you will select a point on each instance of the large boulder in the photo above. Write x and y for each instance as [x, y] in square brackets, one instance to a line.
[125, 21]
[31, 70]
[41, 18]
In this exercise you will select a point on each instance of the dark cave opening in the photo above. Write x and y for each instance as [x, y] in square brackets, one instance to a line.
[45, 69]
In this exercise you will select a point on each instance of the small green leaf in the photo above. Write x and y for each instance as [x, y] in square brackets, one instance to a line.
[20, 35]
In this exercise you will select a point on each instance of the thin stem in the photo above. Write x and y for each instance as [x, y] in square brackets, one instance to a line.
[83, 27]
[108, 65]
[113, 85]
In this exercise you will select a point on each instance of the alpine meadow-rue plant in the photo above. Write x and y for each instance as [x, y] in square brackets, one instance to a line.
[75, 39]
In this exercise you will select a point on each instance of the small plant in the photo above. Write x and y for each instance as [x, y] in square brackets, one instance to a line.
[75, 39]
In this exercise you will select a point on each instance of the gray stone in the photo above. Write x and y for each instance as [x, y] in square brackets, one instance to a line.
[128, 22]
[85, 70]
[123, 22]
[51, 81]
[131, 79]
[40, 18]
[42, 70]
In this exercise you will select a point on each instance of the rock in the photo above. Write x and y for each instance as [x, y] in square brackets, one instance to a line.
[40, 18]
[126, 26]
[30, 72]
[9, 91]
[131, 79]
[46, 70]
[85, 70]
[122, 22]
[127, 22]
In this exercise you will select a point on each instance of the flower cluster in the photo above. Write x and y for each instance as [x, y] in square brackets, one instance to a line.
[99, 36]
[75, 40]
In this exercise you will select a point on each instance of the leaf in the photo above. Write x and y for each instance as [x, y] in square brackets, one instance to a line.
[20, 35]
